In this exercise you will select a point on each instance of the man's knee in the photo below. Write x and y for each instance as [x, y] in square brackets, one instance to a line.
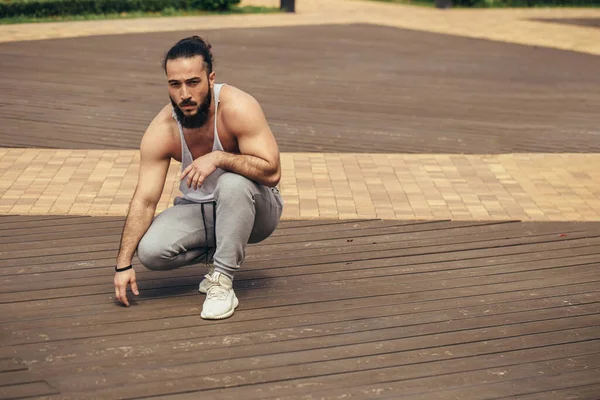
[151, 254]
[233, 186]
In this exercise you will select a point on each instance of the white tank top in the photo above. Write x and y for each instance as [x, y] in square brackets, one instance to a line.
[205, 193]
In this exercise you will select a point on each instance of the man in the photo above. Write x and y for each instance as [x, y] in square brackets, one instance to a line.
[230, 167]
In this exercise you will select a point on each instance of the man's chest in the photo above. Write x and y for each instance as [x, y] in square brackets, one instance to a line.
[202, 142]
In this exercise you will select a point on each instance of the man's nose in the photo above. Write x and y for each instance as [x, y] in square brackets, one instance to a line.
[185, 93]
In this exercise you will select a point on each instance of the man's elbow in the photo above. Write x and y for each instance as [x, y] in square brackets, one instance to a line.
[273, 179]
[139, 200]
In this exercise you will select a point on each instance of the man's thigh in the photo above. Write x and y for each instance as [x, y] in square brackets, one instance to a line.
[176, 230]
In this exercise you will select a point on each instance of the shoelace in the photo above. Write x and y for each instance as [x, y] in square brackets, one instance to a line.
[215, 290]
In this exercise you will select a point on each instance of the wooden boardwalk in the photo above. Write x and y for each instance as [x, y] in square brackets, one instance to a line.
[361, 309]
[348, 88]
[591, 22]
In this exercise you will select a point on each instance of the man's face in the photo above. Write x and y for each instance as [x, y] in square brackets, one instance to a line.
[190, 90]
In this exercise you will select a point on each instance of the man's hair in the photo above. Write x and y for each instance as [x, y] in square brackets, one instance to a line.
[190, 47]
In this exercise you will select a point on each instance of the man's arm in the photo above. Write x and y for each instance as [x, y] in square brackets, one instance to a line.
[259, 159]
[154, 164]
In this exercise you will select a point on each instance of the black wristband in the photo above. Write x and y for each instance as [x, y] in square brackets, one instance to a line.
[123, 269]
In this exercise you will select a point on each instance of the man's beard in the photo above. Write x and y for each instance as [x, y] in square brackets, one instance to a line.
[202, 113]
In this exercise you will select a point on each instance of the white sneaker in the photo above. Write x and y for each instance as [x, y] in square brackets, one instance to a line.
[205, 284]
[220, 299]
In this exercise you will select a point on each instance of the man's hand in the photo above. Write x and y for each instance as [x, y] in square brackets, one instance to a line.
[122, 279]
[202, 167]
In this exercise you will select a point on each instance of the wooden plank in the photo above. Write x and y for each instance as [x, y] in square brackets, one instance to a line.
[443, 262]
[340, 330]
[10, 364]
[197, 357]
[290, 234]
[339, 254]
[12, 222]
[106, 227]
[29, 218]
[310, 277]
[268, 251]
[25, 390]
[288, 224]
[332, 374]
[62, 239]
[43, 233]
[209, 375]
[472, 384]
[589, 392]
[388, 238]
[7, 227]
[516, 388]
[480, 384]
[169, 296]
[299, 236]
[593, 22]
[105, 314]
[49, 237]
[16, 378]
[23, 294]
[185, 324]
[186, 315]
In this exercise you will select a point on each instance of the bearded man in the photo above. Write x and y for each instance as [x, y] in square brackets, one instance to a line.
[230, 168]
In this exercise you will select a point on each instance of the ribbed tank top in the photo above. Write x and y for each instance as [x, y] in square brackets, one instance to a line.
[205, 193]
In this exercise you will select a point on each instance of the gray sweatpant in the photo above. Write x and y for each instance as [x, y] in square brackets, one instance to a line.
[246, 212]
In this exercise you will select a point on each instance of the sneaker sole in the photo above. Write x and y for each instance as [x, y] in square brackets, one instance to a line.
[226, 315]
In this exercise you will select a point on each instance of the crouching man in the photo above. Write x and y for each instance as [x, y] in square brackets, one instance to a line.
[230, 167]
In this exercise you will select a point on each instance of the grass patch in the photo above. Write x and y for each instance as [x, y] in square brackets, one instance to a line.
[140, 14]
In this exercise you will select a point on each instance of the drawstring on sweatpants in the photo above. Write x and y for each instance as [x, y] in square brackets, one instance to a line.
[214, 204]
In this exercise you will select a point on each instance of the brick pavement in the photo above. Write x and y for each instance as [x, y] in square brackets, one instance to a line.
[529, 187]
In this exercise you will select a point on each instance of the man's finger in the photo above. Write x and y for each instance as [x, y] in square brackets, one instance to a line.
[134, 288]
[196, 181]
[123, 294]
[185, 172]
[190, 179]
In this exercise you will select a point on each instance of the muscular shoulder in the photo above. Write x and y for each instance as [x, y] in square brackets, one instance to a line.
[158, 140]
[239, 109]
[234, 98]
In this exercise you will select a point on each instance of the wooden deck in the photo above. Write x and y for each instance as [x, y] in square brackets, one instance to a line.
[328, 309]
[351, 88]
[591, 22]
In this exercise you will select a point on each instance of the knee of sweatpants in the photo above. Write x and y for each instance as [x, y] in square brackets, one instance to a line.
[151, 254]
[233, 186]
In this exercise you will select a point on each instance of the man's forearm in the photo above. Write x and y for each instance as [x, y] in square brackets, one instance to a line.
[138, 220]
[251, 167]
